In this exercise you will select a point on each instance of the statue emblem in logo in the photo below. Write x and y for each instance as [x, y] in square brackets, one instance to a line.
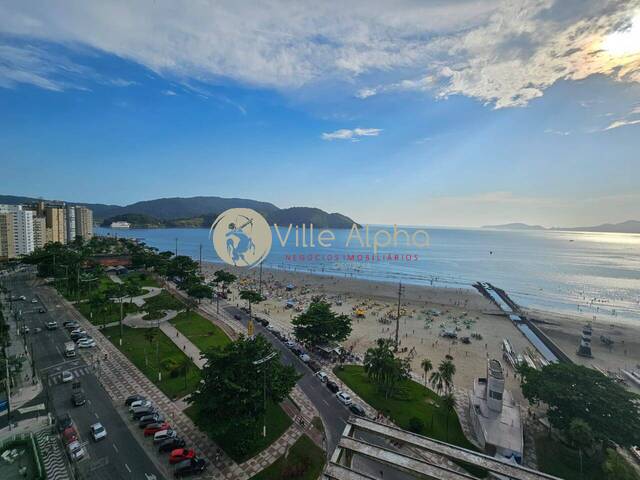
[241, 237]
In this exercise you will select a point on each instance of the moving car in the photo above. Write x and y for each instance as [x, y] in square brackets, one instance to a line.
[66, 376]
[192, 466]
[24, 329]
[181, 454]
[52, 325]
[344, 398]
[41, 310]
[154, 428]
[163, 435]
[78, 398]
[357, 410]
[333, 386]
[133, 398]
[170, 444]
[324, 378]
[69, 349]
[98, 432]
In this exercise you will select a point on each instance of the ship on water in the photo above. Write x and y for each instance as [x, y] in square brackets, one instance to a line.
[120, 224]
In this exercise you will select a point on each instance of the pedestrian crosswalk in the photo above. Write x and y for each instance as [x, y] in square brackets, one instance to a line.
[77, 372]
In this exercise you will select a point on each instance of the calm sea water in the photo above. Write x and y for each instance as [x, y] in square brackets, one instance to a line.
[580, 273]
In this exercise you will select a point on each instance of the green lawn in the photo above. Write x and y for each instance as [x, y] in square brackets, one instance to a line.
[140, 279]
[200, 331]
[304, 462]
[143, 355]
[111, 313]
[555, 458]
[277, 422]
[163, 301]
[415, 400]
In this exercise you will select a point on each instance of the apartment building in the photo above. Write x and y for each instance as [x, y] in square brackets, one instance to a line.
[56, 224]
[83, 222]
[39, 231]
[71, 223]
[7, 245]
[21, 229]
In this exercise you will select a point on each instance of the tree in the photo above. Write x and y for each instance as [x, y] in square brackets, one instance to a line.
[576, 392]
[320, 325]
[449, 404]
[199, 291]
[436, 381]
[427, 366]
[615, 467]
[251, 297]
[231, 395]
[383, 368]
[224, 277]
[447, 371]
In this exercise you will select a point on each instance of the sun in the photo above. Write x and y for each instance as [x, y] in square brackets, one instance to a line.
[625, 42]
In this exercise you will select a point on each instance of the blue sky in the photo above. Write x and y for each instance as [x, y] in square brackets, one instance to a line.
[414, 116]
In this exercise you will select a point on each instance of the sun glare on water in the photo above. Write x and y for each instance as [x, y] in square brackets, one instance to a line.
[625, 42]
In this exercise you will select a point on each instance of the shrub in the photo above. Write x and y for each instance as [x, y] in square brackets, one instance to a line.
[416, 425]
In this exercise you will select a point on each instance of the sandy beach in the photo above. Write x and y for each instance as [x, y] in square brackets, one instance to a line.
[425, 312]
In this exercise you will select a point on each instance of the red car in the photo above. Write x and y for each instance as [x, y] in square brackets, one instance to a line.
[180, 454]
[155, 427]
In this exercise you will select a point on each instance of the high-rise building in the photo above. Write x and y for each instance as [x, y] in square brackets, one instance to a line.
[22, 226]
[56, 224]
[84, 222]
[71, 223]
[39, 232]
[7, 246]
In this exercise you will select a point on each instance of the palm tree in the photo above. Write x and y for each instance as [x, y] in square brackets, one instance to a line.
[447, 370]
[149, 335]
[449, 404]
[436, 381]
[427, 366]
[183, 368]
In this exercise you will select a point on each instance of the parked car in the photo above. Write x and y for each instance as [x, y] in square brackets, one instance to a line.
[78, 330]
[34, 300]
[333, 387]
[66, 376]
[344, 398]
[192, 466]
[163, 435]
[41, 310]
[75, 451]
[314, 366]
[86, 342]
[324, 378]
[71, 324]
[154, 428]
[64, 422]
[636, 453]
[290, 343]
[357, 410]
[76, 337]
[98, 432]
[297, 350]
[149, 419]
[181, 454]
[69, 435]
[133, 398]
[139, 412]
[170, 444]
[139, 403]
[24, 329]
[305, 358]
[51, 325]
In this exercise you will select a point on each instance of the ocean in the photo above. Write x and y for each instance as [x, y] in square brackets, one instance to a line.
[588, 274]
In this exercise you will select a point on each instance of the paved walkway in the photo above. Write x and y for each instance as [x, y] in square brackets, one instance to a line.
[135, 320]
[115, 278]
[184, 344]
[139, 300]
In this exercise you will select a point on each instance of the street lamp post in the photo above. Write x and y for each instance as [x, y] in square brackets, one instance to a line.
[257, 363]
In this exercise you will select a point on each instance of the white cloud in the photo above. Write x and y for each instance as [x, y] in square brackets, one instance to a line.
[169, 93]
[347, 134]
[562, 133]
[621, 123]
[504, 53]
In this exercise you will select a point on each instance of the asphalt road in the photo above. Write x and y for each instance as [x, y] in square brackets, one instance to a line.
[334, 414]
[119, 456]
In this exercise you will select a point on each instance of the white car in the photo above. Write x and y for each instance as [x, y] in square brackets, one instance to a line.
[67, 376]
[139, 403]
[35, 300]
[79, 331]
[163, 435]
[76, 452]
[98, 432]
[305, 358]
[344, 398]
[52, 325]
[290, 343]
[87, 343]
[636, 452]
[322, 376]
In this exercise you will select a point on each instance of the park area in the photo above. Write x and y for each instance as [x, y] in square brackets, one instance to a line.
[200, 331]
[303, 462]
[151, 351]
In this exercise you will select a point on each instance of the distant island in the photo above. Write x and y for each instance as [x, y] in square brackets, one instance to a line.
[630, 226]
[197, 212]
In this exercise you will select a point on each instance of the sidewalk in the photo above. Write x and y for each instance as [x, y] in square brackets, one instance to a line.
[184, 344]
